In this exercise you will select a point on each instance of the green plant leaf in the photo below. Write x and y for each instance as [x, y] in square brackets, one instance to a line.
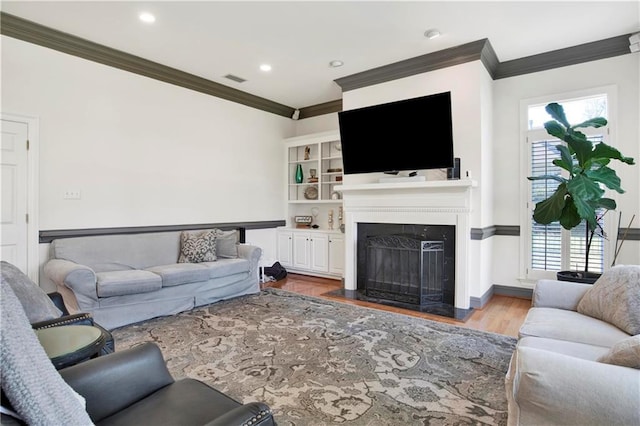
[555, 129]
[545, 177]
[556, 111]
[605, 203]
[582, 187]
[592, 122]
[566, 161]
[602, 150]
[582, 147]
[550, 210]
[570, 218]
[606, 176]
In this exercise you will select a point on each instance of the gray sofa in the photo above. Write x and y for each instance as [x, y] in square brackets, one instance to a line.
[561, 372]
[123, 279]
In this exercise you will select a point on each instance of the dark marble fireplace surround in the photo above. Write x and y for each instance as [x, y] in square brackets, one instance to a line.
[397, 277]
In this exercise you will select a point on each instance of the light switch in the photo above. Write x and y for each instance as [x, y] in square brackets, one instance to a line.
[71, 195]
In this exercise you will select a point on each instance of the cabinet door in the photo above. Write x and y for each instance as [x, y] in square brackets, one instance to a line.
[319, 244]
[285, 248]
[301, 250]
[336, 254]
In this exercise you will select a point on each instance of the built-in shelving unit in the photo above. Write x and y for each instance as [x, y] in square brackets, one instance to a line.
[320, 250]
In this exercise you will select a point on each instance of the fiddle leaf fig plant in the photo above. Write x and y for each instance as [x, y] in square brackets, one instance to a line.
[580, 194]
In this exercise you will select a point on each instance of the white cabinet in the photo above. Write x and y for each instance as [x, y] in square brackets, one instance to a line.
[301, 259]
[336, 254]
[285, 248]
[311, 252]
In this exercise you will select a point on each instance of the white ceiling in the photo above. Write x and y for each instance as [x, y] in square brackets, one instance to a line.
[299, 38]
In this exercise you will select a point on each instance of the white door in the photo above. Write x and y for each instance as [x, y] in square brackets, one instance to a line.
[14, 235]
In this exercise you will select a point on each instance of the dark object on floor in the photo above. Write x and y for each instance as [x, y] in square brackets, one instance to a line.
[277, 271]
[133, 386]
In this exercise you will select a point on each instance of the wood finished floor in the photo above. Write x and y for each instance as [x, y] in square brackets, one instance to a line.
[502, 314]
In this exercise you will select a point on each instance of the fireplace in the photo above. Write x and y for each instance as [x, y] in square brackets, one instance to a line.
[407, 265]
[427, 212]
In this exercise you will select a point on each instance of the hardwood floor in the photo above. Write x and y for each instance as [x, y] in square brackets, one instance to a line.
[502, 314]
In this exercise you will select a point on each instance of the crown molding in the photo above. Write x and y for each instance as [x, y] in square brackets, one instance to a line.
[321, 109]
[22, 29]
[418, 65]
[601, 49]
[483, 51]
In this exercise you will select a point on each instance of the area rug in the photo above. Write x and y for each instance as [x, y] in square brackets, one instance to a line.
[320, 362]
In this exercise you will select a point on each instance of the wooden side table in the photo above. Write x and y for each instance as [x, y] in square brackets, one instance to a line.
[70, 344]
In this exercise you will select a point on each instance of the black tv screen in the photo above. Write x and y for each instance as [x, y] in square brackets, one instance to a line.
[411, 134]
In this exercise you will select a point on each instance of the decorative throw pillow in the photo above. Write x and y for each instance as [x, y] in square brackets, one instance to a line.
[615, 298]
[626, 353]
[227, 244]
[197, 246]
[35, 302]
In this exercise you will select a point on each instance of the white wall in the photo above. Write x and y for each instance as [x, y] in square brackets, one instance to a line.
[621, 71]
[141, 152]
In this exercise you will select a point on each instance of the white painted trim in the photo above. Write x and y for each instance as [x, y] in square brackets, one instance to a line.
[33, 175]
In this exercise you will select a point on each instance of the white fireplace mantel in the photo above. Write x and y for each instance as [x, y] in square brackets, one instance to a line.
[442, 202]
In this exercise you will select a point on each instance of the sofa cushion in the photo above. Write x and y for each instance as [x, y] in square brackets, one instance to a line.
[118, 283]
[626, 353]
[197, 246]
[35, 302]
[181, 273]
[578, 350]
[615, 298]
[224, 267]
[227, 244]
[571, 326]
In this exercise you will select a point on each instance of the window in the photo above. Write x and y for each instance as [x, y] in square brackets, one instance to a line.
[550, 248]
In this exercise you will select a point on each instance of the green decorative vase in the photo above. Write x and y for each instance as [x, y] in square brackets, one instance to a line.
[299, 176]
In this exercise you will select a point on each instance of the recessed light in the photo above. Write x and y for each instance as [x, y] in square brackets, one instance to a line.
[431, 34]
[336, 63]
[265, 67]
[147, 17]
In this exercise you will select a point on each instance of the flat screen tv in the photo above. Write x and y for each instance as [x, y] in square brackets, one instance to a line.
[407, 135]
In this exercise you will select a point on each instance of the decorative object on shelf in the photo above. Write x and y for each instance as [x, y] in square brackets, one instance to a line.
[331, 219]
[338, 178]
[311, 193]
[313, 178]
[334, 170]
[303, 221]
[335, 195]
[580, 196]
[340, 224]
[314, 213]
[307, 152]
[337, 146]
[299, 175]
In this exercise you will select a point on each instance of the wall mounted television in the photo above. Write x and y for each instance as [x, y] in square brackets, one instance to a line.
[408, 135]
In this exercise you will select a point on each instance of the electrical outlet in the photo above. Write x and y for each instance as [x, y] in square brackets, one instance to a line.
[71, 195]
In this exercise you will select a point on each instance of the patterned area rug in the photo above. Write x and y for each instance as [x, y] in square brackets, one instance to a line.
[319, 362]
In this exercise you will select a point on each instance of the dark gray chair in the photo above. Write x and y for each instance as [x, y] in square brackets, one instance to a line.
[134, 387]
